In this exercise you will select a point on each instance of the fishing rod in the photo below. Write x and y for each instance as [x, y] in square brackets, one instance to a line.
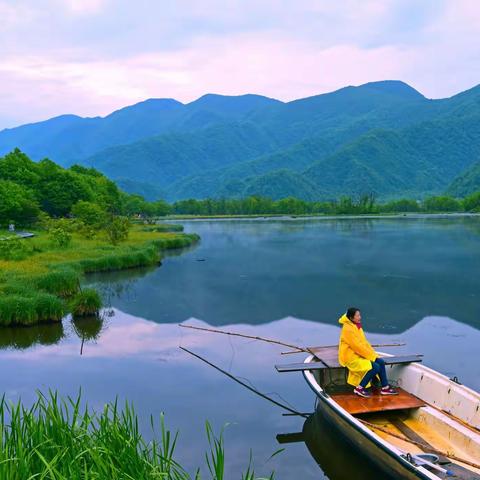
[234, 378]
[251, 337]
[294, 348]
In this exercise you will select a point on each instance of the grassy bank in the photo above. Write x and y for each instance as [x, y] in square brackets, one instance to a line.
[58, 439]
[40, 283]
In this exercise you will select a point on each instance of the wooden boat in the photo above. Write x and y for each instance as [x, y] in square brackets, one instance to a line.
[431, 430]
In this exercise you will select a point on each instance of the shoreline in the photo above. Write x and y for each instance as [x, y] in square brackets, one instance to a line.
[279, 216]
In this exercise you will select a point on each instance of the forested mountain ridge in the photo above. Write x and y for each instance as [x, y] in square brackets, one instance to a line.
[69, 138]
[383, 137]
[467, 182]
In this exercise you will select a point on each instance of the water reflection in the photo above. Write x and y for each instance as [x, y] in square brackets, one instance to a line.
[139, 360]
[397, 270]
[336, 456]
[87, 329]
[21, 338]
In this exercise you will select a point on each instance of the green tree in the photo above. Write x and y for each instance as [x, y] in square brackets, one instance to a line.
[117, 229]
[60, 189]
[472, 202]
[442, 204]
[17, 204]
[402, 205]
[89, 213]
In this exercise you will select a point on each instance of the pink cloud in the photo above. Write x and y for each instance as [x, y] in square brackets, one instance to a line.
[279, 50]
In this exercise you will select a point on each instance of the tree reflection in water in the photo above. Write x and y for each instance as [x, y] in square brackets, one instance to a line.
[88, 328]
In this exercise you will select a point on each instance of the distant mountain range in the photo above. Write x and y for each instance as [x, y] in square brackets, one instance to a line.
[382, 137]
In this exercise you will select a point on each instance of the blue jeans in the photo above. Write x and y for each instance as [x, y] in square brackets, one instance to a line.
[378, 368]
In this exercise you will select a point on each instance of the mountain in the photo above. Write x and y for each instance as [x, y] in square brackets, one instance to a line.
[382, 137]
[166, 158]
[68, 139]
[466, 183]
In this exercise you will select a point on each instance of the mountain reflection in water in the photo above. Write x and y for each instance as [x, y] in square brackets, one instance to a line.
[139, 360]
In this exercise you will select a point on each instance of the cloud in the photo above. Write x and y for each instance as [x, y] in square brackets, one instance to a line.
[92, 56]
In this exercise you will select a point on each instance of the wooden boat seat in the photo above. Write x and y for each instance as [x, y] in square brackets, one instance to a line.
[326, 362]
[355, 405]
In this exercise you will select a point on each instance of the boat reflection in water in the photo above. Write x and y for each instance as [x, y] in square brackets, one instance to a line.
[338, 458]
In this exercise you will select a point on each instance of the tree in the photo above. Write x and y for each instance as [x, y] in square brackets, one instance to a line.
[60, 189]
[89, 213]
[442, 204]
[402, 205]
[117, 229]
[17, 204]
[472, 202]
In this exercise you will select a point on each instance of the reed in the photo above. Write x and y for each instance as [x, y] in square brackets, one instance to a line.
[59, 439]
[38, 307]
[86, 303]
[63, 282]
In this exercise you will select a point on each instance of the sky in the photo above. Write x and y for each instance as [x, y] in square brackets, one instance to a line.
[91, 57]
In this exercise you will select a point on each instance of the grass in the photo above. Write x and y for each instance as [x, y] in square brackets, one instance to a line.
[33, 288]
[58, 439]
[30, 309]
[86, 303]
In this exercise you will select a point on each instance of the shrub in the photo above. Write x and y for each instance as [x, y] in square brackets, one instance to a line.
[60, 237]
[14, 248]
[117, 229]
[86, 302]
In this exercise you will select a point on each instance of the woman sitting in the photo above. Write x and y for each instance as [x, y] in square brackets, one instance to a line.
[356, 353]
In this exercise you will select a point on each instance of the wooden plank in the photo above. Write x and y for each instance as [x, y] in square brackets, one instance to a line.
[355, 405]
[300, 367]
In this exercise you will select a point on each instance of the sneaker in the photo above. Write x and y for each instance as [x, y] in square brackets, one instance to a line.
[388, 390]
[362, 392]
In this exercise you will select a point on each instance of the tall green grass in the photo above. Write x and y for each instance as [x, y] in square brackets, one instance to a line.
[36, 308]
[59, 439]
[86, 303]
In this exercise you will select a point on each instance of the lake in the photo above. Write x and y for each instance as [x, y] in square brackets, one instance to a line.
[415, 279]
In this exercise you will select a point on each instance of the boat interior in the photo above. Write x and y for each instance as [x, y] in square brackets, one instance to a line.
[432, 416]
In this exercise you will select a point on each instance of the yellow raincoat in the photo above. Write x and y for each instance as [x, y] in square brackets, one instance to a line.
[354, 351]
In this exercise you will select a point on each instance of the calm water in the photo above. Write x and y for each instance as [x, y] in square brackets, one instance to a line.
[416, 280]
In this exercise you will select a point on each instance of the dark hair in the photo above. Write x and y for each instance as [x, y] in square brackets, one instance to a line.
[351, 312]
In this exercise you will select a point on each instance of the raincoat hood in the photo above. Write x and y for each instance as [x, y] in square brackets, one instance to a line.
[343, 319]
